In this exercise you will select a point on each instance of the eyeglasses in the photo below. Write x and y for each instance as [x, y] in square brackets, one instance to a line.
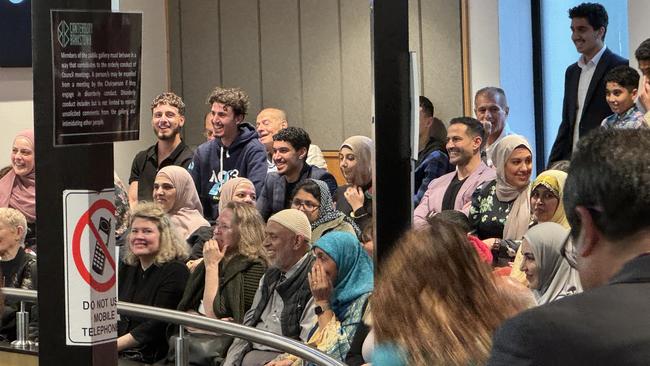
[306, 205]
[569, 252]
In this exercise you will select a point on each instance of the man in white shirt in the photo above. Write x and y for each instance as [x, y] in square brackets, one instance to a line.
[584, 105]
[269, 122]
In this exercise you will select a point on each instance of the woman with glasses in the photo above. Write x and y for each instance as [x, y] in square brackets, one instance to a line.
[355, 198]
[546, 205]
[312, 197]
[549, 274]
[174, 191]
[223, 285]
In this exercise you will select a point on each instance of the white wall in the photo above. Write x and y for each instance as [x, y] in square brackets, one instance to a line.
[638, 26]
[484, 44]
[16, 107]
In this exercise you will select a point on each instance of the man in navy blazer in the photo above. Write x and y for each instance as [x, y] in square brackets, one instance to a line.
[607, 202]
[584, 103]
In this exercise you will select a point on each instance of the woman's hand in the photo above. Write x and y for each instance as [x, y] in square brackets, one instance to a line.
[355, 197]
[212, 254]
[320, 285]
[285, 362]
[192, 264]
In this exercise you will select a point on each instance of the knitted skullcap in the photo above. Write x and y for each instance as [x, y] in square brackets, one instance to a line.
[294, 220]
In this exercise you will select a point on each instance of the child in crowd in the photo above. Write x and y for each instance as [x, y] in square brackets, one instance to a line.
[621, 90]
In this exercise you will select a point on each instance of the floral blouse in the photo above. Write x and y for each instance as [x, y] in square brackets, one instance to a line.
[487, 215]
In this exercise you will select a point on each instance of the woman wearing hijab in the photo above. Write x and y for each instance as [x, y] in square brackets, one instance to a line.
[18, 186]
[175, 193]
[501, 207]
[546, 205]
[548, 273]
[341, 281]
[312, 197]
[355, 198]
[237, 190]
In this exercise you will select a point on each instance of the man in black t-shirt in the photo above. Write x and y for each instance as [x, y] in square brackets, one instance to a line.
[168, 117]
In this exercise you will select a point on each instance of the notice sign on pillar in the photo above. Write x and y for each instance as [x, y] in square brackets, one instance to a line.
[96, 62]
[90, 269]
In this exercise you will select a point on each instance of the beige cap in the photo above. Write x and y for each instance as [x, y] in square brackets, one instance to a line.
[294, 220]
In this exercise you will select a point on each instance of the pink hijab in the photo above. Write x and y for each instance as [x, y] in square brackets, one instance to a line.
[186, 214]
[19, 192]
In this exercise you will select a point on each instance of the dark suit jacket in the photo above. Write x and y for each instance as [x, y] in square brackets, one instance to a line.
[608, 325]
[594, 110]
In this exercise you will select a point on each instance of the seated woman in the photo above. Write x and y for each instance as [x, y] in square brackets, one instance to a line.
[175, 192]
[224, 283]
[500, 208]
[18, 186]
[341, 280]
[436, 302]
[355, 198]
[547, 271]
[237, 190]
[312, 197]
[154, 274]
[18, 268]
[547, 192]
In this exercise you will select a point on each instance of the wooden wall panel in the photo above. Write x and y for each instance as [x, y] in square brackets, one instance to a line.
[356, 94]
[321, 70]
[201, 62]
[280, 58]
[240, 50]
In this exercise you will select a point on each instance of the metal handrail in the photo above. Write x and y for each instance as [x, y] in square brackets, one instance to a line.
[197, 321]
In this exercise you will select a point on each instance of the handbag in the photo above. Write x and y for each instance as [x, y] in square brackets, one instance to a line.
[203, 349]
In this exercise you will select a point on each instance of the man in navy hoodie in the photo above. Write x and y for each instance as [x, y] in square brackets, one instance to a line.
[235, 152]
[290, 146]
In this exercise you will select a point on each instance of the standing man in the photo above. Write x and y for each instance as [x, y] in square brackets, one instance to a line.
[453, 191]
[272, 120]
[168, 117]
[584, 105]
[234, 152]
[491, 108]
[609, 323]
[433, 160]
[289, 154]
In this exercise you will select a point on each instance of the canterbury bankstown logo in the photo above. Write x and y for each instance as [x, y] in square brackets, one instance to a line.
[74, 34]
[63, 33]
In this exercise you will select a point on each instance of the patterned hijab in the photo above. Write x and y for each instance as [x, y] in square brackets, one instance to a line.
[362, 147]
[554, 181]
[228, 191]
[519, 216]
[186, 212]
[327, 210]
[354, 269]
[19, 192]
[556, 277]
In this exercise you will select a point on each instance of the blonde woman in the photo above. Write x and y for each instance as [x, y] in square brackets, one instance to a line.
[154, 274]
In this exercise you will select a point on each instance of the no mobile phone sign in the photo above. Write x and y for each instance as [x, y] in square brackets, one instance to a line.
[91, 302]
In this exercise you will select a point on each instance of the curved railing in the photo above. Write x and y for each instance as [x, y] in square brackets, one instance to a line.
[185, 319]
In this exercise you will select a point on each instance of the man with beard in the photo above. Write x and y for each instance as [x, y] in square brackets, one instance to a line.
[290, 146]
[453, 191]
[168, 117]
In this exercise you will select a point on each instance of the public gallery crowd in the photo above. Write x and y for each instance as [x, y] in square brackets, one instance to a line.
[499, 267]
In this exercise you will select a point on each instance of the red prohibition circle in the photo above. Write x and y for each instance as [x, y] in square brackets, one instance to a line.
[86, 220]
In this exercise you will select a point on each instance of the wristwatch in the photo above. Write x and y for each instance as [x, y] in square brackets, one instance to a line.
[320, 309]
